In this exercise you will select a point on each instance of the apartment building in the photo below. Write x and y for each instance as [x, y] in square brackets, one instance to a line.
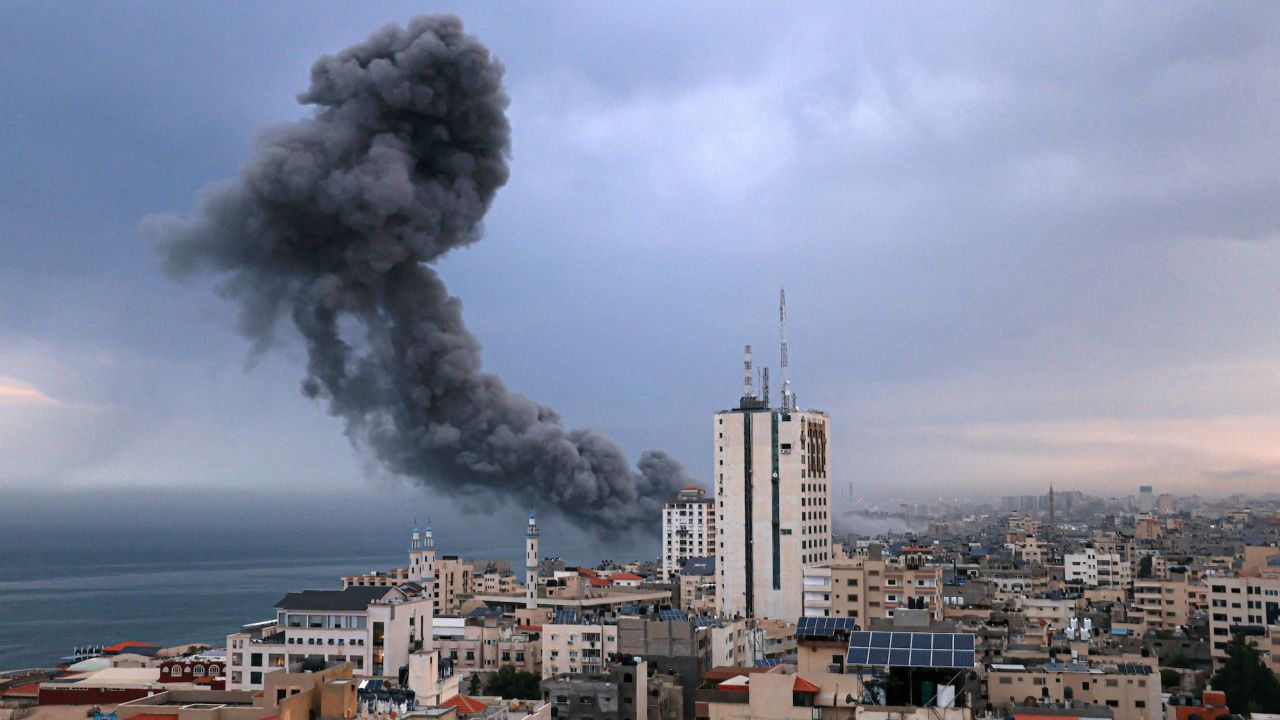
[1131, 689]
[1168, 604]
[374, 628]
[485, 644]
[1250, 605]
[1098, 569]
[577, 648]
[870, 587]
[688, 529]
[453, 584]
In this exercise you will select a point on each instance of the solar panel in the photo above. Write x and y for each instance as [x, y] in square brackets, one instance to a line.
[768, 663]
[670, 615]
[908, 649]
[824, 627]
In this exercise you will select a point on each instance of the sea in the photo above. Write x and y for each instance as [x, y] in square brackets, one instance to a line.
[67, 589]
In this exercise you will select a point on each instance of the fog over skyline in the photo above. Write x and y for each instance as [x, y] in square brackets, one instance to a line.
[1021, 244]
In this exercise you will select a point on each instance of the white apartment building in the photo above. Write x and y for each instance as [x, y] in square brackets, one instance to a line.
[772, 491]
[1248, 604]
[577, 648]
[376, 629]
[688, 529]
[1097, 569]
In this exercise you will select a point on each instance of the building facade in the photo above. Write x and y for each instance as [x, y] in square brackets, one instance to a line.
[772, 509]
[373, 628]
[871, 587]
[688, 529]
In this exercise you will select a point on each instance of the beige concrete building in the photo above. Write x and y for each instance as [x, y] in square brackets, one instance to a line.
[486, 644]
[574, 649]
[1129, 695]
[688, 529]
[453, 584]
[1167, 604]
[870, 587]
[1045, 613]
[327, 694]
[772, 475]
[1241, 603]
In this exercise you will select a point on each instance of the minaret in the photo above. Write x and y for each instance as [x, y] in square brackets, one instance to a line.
[428, 554]
[531, 563]
[416, 568]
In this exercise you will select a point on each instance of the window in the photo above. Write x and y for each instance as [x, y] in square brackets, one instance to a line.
[198, 671]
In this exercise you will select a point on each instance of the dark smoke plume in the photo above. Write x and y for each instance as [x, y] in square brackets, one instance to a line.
[335, 221]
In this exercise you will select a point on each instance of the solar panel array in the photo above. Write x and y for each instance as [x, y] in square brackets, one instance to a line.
[1133, 669]
[912, 649]
[825, 627]
[768, 663]
[669, 615]
[486, 612]
[565, 616]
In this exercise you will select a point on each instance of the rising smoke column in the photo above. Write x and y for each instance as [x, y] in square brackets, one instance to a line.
[334, 223]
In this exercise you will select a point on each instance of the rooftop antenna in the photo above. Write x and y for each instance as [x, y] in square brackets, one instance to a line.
[764, 387]
[747, 390]
[788, 400]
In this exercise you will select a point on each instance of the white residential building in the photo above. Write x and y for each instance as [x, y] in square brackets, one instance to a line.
[376, 629]
[772, 493]
[688, 529]
[1097, 569]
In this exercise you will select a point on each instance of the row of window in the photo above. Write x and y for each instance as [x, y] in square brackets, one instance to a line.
[197, 670]
[320, 641]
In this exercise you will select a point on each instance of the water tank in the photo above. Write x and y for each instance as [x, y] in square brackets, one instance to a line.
[928, 692]
[946, 696]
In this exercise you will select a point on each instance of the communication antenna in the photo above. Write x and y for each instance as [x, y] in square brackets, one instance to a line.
[764, 387]
[788, 401]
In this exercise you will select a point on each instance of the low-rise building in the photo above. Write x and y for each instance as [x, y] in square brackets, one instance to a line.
[373, 628]
[577, 649]
[871, 587]
[1131, 689]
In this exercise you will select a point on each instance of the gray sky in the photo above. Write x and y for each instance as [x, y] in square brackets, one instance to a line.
[1021, 243]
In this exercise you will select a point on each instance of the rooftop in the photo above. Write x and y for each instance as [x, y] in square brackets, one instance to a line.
[352, 599]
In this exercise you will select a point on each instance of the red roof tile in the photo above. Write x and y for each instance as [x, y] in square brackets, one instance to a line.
[804, 686]
[466, 705]
[625, 576]
[122, 646]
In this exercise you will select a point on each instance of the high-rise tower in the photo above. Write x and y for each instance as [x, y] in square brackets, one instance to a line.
[773, 494]
[531, 563]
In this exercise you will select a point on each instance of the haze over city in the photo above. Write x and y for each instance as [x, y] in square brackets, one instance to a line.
[1021, 245]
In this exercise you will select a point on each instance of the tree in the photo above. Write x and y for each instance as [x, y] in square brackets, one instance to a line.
[1144, 568]
[1170, 678]
[474, 687]
[511, 683]
[1249, 685]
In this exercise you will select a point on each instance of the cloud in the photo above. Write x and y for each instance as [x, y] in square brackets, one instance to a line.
[16, 391]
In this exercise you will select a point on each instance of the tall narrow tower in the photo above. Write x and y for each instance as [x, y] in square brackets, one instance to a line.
[428, 553]
[773, 503]
[531, 563]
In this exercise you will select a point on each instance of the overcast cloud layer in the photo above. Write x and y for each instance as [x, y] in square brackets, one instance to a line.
[1022, 244]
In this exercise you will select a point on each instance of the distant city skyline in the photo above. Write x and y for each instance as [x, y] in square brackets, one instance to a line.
[1020, 245]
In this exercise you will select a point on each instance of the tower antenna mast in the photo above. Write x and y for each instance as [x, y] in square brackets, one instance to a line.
[788, 401]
